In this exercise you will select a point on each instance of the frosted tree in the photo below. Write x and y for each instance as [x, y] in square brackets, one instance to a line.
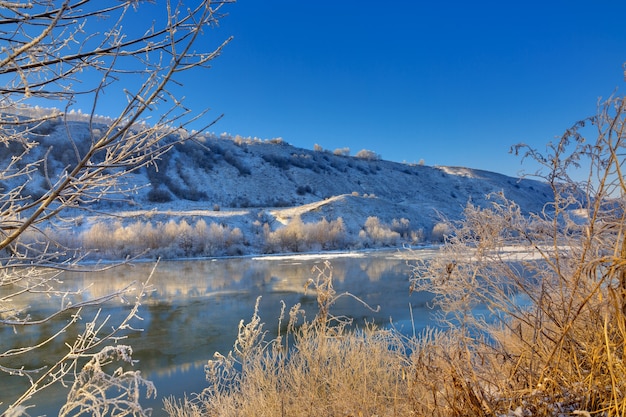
[53, 55]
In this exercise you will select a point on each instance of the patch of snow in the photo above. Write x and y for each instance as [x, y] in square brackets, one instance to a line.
[309, 256]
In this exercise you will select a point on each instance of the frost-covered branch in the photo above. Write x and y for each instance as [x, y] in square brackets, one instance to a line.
[54, 56]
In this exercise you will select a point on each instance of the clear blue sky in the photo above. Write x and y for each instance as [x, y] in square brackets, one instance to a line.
[449, 82]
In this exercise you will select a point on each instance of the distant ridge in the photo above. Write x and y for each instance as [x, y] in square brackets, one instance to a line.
[272, 180]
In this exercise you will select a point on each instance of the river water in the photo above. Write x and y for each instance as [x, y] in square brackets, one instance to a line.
[195, 306]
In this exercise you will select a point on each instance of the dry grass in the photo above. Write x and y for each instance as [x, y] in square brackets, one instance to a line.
[553, 317]
[318, 368]
[552, 325]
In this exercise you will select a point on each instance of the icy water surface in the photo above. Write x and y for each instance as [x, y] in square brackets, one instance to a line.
[196, 306]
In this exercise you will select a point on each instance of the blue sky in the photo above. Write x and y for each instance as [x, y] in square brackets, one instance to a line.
[453, 83]
[449, 82]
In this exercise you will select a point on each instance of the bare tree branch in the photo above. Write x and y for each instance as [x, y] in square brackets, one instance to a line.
[54, 54]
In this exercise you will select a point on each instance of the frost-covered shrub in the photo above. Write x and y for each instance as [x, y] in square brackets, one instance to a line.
[214, 239]
[167, 240]
[402, 226]
[241, 141]
[277, 141]
[367, 154]
[342, 152]
[298, 236]
[289, 238]
[376, 233]
[96, 237]
[184, 237]
[153, 237]
[439, 232]
[325, 235]
[416, 236]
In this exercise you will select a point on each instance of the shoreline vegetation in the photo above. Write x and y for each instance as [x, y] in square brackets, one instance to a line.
[113, 239]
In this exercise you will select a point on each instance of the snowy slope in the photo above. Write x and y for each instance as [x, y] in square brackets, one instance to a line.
[235, 181]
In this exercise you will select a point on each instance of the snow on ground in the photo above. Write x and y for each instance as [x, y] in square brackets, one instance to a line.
[240, 183]
[309, 256]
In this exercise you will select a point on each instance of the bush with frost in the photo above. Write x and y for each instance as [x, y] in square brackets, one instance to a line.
[298, 236]
[537, 302]
[160, 240]
[368, 155]
[375, 233]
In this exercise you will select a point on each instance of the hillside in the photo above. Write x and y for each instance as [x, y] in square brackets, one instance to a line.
[260, 186]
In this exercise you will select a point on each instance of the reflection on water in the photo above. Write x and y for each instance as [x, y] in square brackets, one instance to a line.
[195, 307]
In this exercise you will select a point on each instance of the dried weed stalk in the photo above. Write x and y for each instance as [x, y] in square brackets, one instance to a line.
[318, 368]
[537, 301]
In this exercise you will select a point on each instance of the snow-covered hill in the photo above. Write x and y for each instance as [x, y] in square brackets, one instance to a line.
[245, 183]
